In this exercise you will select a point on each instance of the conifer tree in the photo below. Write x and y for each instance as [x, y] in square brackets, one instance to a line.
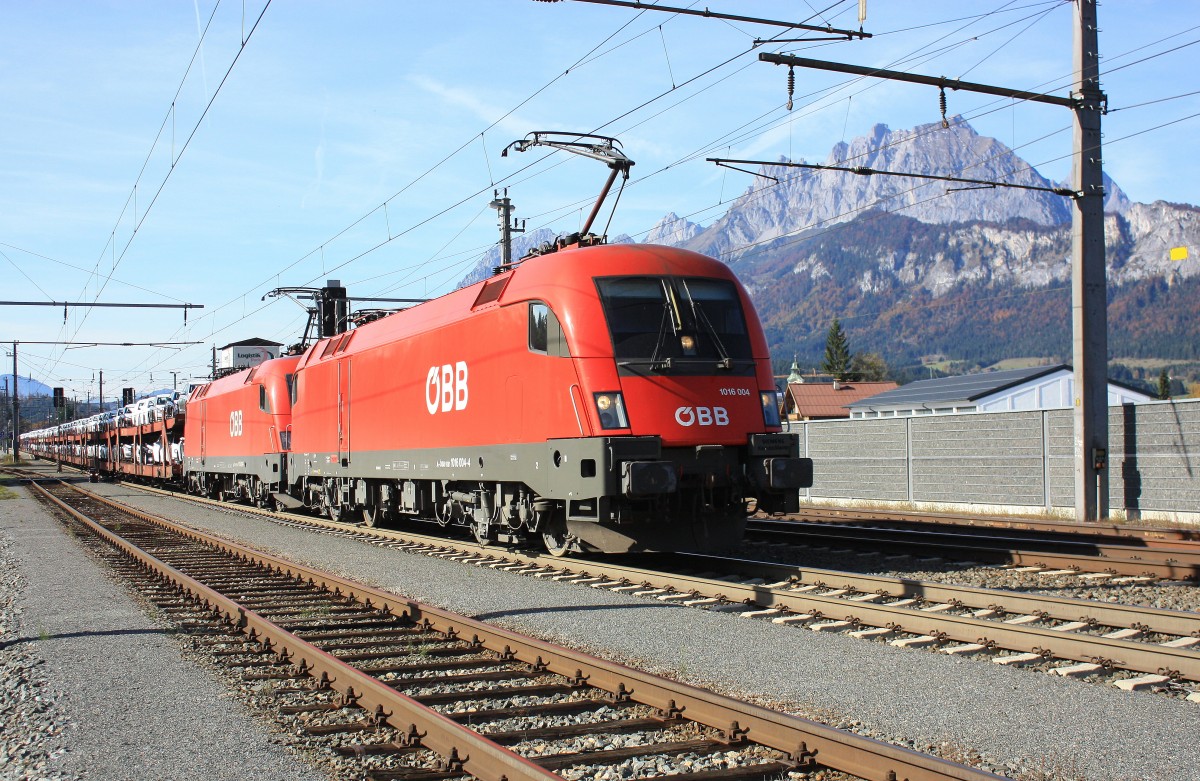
[1164, 384]
[837, 353]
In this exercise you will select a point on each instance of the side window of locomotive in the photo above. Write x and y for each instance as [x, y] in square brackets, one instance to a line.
[291, 387]
[545, 332]
[264, 401]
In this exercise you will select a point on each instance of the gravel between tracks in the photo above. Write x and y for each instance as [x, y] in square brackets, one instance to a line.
[90, 687]
[1025, 725]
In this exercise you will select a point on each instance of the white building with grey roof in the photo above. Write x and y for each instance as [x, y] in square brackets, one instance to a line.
[1039, 387]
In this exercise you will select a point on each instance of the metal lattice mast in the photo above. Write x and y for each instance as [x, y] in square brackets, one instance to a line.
[1089, 316]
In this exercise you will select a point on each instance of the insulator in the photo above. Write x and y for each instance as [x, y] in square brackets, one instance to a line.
[942, 105]
[791, 85]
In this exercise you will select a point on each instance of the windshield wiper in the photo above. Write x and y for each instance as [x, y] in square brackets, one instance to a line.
[669, 311]
[698, 311]
[662, 335]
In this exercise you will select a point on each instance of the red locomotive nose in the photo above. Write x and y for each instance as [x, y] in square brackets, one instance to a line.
[698, 411]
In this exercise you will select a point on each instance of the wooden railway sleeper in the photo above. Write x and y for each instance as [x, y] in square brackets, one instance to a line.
[616, 755]
[432, 680]
[363, 750]
[307, 685]
[614, 726]
[536, 690]
[400, 669]
[561, 707]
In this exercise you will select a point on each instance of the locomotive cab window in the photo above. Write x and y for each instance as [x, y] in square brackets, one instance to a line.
[676, 325]
[264, 401]
[545, 332]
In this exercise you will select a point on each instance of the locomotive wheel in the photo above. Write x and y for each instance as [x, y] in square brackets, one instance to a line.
[372, 516]
[556, 539]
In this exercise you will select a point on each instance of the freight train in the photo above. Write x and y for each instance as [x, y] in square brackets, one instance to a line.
[598, 398]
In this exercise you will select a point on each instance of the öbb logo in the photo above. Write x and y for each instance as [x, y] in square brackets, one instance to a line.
[446, 387]
[702, 416]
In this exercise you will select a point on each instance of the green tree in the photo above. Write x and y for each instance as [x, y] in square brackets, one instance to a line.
[1164, 384]
[837, 353]
[870, 367]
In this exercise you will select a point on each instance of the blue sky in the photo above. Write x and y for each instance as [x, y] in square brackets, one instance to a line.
[361, 141]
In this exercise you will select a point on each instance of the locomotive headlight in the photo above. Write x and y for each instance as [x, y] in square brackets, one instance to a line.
[770, 408]
[610, 408]
[688, 343]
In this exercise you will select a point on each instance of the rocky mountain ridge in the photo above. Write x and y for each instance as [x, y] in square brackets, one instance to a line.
[1001, 235]
[882, 253]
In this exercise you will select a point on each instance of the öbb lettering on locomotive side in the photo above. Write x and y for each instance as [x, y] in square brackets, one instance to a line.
[596, 398]
[446, 387]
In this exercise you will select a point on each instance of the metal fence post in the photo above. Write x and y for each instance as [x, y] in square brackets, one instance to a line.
[908, 456]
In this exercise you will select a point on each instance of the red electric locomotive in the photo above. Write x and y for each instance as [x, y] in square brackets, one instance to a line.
[602, 398]
[237, 431]
[606, 398]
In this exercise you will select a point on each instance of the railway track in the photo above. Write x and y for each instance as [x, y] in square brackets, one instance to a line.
[918, 520]
[413, 692]
[1131, 646]
[1136, 647]
[1179, 559]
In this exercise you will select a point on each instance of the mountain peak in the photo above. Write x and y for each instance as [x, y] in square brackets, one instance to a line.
[802, 200]
[673, 230]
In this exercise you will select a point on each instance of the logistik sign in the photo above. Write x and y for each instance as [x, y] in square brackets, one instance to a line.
[446, 387]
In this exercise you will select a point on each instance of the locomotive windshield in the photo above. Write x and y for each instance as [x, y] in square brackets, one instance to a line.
[676, 325]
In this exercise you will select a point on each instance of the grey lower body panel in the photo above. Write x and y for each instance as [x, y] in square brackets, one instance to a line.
[611, 494]
[557, 469]
[230, 472]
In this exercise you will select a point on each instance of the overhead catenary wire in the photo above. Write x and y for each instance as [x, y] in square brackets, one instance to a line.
[162, 185]
[187, 142]
[636, 108]
[443, 248]
[631, 110]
